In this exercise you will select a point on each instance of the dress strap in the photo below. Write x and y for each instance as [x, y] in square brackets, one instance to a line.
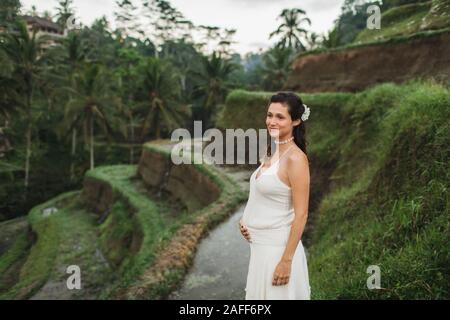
[284, 153]
[276, 162]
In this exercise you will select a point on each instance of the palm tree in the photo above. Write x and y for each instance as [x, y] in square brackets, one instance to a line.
[290, 30]
[47, 15]
[33, 11]
[24, 51]
[276, 67]
[63, 12]
[87, 106]
[160, 89]
[73, 54]
[126, 121]
[212, 84]
[184, 57]
[314, 40]
[331, 40]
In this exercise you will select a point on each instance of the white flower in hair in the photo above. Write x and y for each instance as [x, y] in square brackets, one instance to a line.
[305, 114]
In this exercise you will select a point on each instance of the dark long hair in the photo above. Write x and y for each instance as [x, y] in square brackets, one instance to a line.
[296, 109]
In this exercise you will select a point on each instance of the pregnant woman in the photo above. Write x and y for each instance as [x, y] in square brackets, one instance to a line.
[277, 209]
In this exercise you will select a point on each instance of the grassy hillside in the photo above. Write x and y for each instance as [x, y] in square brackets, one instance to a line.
[390, 202]
[387, 202]
[113, 251]
[409, 19]
[38, 255]
[400, 24]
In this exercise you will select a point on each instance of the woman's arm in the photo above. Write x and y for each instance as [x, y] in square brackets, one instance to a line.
[298, 173]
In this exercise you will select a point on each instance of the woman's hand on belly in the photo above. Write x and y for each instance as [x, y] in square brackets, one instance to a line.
[244, 231]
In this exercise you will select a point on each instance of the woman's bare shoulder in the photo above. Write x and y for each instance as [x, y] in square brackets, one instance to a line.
[297, 166]
[297, 156]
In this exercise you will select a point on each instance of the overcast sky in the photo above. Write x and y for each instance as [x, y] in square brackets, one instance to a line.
[253, 19]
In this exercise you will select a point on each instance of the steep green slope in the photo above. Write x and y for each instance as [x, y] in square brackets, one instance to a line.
[37, 267]
[409, 19]
[390, 202]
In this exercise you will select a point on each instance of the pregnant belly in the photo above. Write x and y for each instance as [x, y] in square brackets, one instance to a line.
[274, 237]
[266, 218]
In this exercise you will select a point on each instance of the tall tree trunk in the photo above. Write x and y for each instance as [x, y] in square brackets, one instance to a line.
[74, 146]
[28, 137]
[91, 144]
[132, 143]
[130, 99]
[157, 124]
[74, 141]
[28, 156]
[183, 82]
[49, 105]
[158, 134]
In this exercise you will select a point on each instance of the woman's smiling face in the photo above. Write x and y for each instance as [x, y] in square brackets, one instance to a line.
[279, 122]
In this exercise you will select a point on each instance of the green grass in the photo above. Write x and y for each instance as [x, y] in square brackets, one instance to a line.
[398, 21]
[390, 201]
[12, 259]
[37, 268]
[400, 24]
[78, 245]
[14, 248]
[9, 230]
[71, 240]
[385, 42]
[133, 213]
[439, 15]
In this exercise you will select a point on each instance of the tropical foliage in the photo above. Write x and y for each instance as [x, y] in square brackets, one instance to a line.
[66, 99]
[291, 32]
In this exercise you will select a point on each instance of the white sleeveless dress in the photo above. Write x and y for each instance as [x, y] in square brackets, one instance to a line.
[268, 216]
